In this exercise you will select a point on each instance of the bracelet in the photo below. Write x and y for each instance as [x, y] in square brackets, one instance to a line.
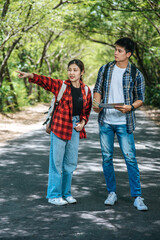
[132, 108]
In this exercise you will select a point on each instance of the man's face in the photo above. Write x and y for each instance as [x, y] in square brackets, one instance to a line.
[120, 54]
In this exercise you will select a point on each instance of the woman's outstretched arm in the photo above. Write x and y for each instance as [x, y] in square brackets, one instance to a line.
[25, 75]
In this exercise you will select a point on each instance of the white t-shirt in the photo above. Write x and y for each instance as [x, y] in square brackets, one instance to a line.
[116, 95]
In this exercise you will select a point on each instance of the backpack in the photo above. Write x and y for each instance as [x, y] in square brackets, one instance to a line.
[133, 72]
[53, 106]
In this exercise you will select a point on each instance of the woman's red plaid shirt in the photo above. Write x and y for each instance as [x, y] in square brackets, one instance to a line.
[61, 124]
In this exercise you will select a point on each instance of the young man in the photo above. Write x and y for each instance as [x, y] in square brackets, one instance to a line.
[119, 85]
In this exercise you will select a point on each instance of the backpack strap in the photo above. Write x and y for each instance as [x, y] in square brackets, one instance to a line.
[105, 72]
[86, 89]
[60, 94]
[133, 72]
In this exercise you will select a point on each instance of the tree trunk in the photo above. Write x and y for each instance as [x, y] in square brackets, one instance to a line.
[14, 104]
[5, 8]
[39, 94]
[142, 68]
[28, 87]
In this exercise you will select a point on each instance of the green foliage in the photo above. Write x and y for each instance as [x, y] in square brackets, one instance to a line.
[6, 95]
[152, 96]
[50, 33]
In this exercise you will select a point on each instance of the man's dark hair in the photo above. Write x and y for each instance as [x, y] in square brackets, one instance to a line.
[127, 43]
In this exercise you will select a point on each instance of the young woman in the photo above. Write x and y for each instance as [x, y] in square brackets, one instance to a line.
[67, 127]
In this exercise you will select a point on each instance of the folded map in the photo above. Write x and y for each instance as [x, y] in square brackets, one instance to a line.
[110, 105]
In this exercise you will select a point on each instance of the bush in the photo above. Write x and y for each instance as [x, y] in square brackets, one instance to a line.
[152, 96]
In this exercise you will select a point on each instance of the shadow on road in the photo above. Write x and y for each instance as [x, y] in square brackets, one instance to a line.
[26, 214]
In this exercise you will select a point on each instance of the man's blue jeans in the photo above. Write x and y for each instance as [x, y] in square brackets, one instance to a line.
[62, 163]
[126, 142]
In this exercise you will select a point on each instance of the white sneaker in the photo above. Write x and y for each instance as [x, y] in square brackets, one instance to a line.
[139, 204]
[57, 201]
[70, 199]
[111, 199]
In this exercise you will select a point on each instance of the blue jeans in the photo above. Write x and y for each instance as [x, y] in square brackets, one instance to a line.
[126, 142]
[62, 163]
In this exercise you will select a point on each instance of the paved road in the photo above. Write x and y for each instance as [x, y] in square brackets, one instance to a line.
[26, 214]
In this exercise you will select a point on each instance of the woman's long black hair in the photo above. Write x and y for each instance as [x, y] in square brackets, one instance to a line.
[79, 63]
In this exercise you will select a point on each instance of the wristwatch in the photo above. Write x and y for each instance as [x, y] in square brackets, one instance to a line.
[132, 108]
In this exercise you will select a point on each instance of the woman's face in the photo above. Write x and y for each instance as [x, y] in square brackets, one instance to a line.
[74, 73]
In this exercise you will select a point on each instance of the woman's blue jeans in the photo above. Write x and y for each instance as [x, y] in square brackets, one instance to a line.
[126, 142]
[62, 163]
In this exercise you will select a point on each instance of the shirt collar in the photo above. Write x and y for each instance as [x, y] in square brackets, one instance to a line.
[68, 82]
[128, 68]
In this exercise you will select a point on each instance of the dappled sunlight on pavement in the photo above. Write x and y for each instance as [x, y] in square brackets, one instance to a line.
[26, 214]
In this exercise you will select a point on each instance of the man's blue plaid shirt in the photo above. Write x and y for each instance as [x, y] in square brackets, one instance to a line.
[133, 90]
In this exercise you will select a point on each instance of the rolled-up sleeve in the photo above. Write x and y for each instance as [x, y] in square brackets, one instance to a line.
[139, 89]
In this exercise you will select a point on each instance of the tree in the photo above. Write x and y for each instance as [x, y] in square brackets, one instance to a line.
[19, 19]
[103, 22]
[42, 36]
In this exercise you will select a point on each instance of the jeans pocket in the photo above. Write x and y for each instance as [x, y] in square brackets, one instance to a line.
[75, 119]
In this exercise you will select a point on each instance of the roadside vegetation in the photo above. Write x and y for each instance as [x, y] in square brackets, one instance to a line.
[42, 36]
